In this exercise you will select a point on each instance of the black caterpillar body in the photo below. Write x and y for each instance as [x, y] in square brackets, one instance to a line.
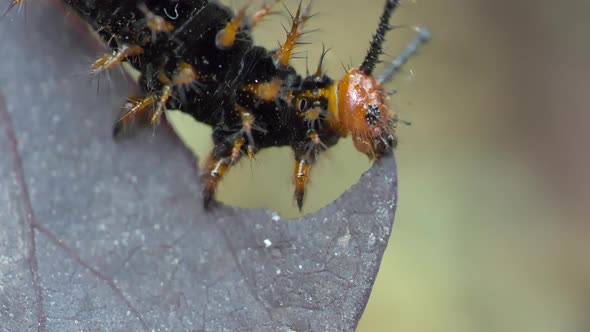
[198, 57]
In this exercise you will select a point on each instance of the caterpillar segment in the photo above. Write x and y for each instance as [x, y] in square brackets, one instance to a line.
[205, 64]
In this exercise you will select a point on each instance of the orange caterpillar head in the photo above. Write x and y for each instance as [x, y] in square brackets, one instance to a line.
[359, 105]
[359, 108]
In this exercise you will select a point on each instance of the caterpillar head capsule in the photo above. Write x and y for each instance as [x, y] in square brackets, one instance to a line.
[361, 110]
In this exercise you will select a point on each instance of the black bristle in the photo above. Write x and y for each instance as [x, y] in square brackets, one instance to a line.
[372, 57]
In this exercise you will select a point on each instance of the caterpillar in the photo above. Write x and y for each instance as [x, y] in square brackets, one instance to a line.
[199, 57]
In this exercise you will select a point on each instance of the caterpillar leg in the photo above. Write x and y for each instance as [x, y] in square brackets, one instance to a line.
[219, 162]
[135, 110]
[110, 61]
[142, 110]
[301, 174]
[214, 170]
[227, 152]
[145, 110]
[306, 150]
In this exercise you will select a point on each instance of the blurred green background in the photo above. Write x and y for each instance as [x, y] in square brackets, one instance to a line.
[492, 230]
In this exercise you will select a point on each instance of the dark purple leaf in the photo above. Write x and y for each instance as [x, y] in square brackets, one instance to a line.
[97, 235]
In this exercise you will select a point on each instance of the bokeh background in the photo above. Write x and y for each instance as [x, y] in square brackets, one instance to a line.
[492, 231]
